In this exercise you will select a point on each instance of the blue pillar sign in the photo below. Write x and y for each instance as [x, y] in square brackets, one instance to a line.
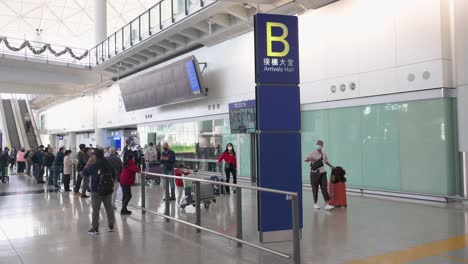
[277, 49]
[278, 122]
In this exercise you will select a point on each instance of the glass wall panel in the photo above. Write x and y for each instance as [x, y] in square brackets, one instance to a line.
[408, 147]
[314, 127]
[380, 146]
[198, 144]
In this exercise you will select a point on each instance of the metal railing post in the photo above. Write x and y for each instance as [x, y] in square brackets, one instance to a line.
[143, 191]
[239, 214]
[123, 39]
[115, 43]
[160, 16]
[197, 205]
[139, 28]
[186, 7]
[296, 230]
[172, 11]
[149, 22]
[74, 174]
[166, 198]
[131, 34]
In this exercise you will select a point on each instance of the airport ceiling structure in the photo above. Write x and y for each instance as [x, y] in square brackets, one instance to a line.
[64, 22]
[49, 78]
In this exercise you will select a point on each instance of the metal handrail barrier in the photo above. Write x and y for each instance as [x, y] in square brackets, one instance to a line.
[292, 196]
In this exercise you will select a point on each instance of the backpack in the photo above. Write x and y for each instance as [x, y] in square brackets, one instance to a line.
[105, 174]
[26, 156]
[49, 159]
[34, 157]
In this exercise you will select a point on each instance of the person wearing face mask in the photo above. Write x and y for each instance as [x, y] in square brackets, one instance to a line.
[318, 175]
[229, 157]
[168, 159]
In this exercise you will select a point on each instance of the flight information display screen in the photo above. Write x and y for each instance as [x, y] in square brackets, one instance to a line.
[174, 83]
[242, 117]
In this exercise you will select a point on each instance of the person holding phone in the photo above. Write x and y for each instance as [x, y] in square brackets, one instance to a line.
[318, 175]
[230, 164]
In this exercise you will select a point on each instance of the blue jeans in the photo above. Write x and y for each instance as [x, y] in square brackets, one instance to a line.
[167, 171]
[54, 175]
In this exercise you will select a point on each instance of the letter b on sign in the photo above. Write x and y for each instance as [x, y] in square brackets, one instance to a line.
[271, 39]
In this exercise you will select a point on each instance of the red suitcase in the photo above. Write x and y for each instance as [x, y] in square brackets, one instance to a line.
[338, 194]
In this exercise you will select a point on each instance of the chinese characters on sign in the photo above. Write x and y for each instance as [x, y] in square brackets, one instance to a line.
[275, 65]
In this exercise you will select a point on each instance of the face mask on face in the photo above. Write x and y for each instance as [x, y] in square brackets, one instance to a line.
[318, 147]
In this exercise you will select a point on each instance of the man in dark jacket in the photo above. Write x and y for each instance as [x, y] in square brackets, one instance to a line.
[49, 158]
[37, 160]
[82, 159]
[118, 166]
[57, 166]
[168, 159]
[98, 165]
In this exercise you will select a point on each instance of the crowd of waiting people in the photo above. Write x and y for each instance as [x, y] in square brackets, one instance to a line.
[99, 172]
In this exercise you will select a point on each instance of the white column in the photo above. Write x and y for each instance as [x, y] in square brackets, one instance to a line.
[101, 137]
[100, 20]
[72, 143]
[460, 66]
[53, 141]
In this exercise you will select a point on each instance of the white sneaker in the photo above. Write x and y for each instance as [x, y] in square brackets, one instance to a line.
[316, 206]
[329, 207]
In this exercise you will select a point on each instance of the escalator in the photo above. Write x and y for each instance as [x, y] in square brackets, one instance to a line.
[30, 134]
[11, 128]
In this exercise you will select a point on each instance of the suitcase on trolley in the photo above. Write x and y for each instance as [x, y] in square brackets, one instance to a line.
[217, 188]
[154, 168]
[338, 194]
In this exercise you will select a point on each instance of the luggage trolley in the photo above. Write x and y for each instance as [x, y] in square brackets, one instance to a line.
[206, 195]
[153, 168]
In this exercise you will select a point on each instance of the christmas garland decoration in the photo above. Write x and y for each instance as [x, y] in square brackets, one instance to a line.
[41, 50]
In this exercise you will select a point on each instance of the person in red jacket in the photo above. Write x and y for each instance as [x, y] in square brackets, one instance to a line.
[127, 179]
[230, 164]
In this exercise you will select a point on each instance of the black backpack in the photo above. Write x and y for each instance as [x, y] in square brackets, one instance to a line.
[49, 159]
[105, 174]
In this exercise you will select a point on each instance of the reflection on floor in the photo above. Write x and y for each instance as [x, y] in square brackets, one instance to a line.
[51, 227]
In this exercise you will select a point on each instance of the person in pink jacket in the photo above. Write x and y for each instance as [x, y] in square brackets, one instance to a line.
[21, 161]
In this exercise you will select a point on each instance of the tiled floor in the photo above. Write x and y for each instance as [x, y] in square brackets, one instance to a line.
[50, 227]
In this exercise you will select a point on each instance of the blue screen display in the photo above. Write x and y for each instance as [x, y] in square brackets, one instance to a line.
[193, 77]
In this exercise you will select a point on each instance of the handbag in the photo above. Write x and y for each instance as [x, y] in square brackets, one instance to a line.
[317, 165]
[229, 166]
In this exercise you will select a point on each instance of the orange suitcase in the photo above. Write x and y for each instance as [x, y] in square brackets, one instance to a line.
[338, 194]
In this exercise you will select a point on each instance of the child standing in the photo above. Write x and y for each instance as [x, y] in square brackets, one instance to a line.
[180, 171]
[127, 179]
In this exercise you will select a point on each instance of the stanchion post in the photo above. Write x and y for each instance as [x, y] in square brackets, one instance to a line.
[197, 205]
[143, 191]
[74, 173]
[239, 214]
[166, 198]
[296, 230]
